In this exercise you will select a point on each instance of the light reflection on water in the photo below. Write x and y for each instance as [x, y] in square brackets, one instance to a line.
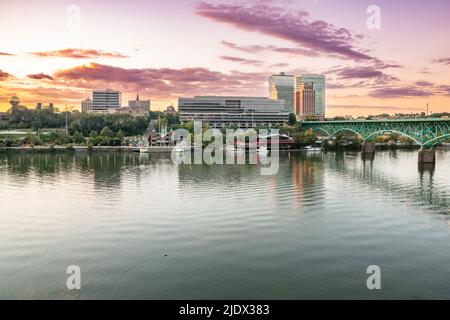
[308, 232]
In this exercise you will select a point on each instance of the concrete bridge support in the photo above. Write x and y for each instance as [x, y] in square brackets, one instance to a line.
[368, 147]
[427, 156]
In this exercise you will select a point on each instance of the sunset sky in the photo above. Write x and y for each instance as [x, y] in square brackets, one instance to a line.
[172, 48]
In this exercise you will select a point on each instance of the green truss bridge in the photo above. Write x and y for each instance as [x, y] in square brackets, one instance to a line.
[425, 132]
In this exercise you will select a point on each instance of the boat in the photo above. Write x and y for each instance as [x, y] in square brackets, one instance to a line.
[312, 149]
[144, 149]
[263, 150]
[182, 147]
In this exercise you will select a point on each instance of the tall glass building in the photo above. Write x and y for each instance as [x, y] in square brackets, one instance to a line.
[318, 84]
[281, 87]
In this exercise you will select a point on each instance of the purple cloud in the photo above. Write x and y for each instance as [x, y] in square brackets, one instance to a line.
[258, 49]
[242, 60]
[294, 26]
[4, 75]
[40, 76]
[445, 61]
[401, 92]
[424, 84]
[162, 82]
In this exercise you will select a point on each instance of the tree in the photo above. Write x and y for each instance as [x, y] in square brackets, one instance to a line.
[309, 136]
[120, 135]
[93, 134]
[75, 127]
[106, 132]
[292, 119]
[78, 137]
[36, 125]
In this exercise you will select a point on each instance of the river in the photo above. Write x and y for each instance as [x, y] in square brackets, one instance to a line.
[141, 227]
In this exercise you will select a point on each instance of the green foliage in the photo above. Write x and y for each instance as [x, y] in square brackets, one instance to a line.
[120, 135]
[106, 132]
[78, 137]
[292, 119]
[21, 117]
[309, 137]
[75, 127]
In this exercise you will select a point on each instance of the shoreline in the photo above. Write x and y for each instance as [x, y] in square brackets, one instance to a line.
[168, 149]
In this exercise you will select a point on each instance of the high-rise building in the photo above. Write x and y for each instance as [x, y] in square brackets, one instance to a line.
[106, 100]
[282, 86]
[305, 100]
[243, 112]
[86, 105]
[318, 84]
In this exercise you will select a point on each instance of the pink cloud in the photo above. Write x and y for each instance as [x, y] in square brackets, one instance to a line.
[40, 76]
[242, 60]
[162, 82]
[295, 26]
[4, 76]
[79, 54]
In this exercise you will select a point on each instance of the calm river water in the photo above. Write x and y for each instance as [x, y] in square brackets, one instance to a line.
[141, 227]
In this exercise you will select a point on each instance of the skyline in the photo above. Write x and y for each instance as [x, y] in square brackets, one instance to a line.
[185, 48]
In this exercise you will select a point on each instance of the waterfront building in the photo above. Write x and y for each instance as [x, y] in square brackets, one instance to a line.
[318, 84]
[106, 100]
[86, 105]
[282, 86]
[223, 111]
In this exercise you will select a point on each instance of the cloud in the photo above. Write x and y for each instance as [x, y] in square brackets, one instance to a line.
[79, 54]
[279, 65]
[295, 26]
[242, 60]
[363, 73]
[6, 54]
[40, 76]
[162, 82]
[400, 92]
[259, 48]
[445, 61]
[424, 84]
[4, 76]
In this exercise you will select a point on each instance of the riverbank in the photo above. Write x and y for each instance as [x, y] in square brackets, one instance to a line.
[155, 149]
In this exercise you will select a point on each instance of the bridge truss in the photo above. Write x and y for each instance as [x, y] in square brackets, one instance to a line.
[425, 132]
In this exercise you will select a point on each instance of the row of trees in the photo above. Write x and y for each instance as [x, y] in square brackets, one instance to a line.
[106, 137]
[49, 118]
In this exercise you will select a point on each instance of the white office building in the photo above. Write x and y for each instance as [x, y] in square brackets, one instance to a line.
[224, 111]
[106, 100]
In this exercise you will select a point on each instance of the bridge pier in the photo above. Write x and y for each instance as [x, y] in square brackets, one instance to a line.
[427, 156]
[368, 148]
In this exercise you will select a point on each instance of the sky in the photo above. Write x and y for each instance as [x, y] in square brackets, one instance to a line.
[396, 61]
